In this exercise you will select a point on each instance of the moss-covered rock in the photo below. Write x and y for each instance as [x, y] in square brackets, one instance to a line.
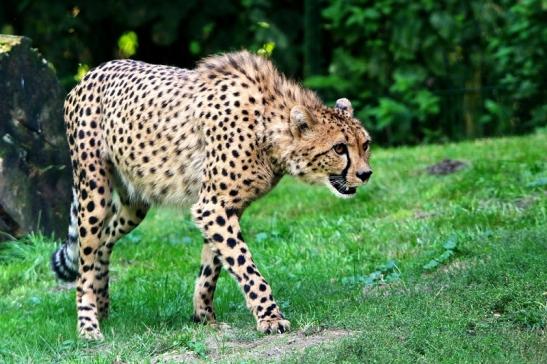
[34, 164]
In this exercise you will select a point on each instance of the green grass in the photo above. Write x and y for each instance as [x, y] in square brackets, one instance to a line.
[484, 301]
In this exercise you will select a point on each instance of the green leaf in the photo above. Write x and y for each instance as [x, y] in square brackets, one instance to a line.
[82, 70]
[128, 44]
[195, 47]
[392, 277]
[538, 183]
[261, 236]
[444, 257]
[432, 264]
[390, 265]
[451, 243]
[266, 49]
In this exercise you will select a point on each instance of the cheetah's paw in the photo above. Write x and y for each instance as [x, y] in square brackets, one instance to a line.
[273, 326]
[206, 316]
[90, 333]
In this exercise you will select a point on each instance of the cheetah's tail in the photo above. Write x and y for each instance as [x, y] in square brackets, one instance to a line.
[64, 260]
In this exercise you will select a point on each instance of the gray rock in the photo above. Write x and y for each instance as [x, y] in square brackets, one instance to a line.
[35, 174]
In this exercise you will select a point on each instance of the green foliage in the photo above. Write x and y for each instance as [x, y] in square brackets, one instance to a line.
[127, 44]
[80, 73]
[449, 251]
[267, 49]
[416, 71]
[518, 52]
[175, 32]
[384, 274]
[426, 70]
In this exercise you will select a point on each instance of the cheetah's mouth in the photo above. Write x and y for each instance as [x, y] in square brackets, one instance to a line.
[339, 185]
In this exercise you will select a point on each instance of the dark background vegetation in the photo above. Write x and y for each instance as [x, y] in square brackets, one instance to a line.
[416, 71]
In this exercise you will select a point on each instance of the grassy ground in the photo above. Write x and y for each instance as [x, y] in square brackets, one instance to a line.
[415, 268]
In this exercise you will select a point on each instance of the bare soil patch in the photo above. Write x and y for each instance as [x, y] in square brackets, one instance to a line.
[446, 166]
[227, 347]
[525, 202]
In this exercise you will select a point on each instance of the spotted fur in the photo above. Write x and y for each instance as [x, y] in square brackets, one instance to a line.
[214, 138]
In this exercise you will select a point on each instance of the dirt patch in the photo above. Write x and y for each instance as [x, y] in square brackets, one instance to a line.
[458, 265]
[226, 346]
[179, 357]
[446, 166]
[424, 214]
[525, 202]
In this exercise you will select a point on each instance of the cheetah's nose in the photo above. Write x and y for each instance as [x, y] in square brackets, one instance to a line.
[365, 175]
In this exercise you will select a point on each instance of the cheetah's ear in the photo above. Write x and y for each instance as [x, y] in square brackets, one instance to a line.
[344, 104]
[301, 120]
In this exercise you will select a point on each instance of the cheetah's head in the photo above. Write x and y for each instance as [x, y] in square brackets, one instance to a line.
[330, 147]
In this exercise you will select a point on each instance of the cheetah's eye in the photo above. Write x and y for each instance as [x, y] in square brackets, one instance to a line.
[366, 145]
[340, 148]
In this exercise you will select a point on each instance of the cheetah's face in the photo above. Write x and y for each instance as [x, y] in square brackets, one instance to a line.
[330, 147]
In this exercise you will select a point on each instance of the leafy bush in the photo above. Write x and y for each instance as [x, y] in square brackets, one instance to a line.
[416, 71]
[429, 71]
[519, 51]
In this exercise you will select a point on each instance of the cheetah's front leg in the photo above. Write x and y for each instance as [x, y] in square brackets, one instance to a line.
[222, 233]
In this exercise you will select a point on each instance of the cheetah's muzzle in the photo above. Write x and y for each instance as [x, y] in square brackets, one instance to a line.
[340, 184]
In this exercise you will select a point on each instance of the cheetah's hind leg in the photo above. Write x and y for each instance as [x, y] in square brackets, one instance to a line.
[205, 285]
[125, 216]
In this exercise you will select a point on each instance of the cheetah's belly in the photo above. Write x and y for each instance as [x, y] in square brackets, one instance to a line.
[160, 167]
[181, 191]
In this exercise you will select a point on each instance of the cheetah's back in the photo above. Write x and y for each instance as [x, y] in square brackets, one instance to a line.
[143, 117]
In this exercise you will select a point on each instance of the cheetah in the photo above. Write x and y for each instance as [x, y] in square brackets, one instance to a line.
[213, 139]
